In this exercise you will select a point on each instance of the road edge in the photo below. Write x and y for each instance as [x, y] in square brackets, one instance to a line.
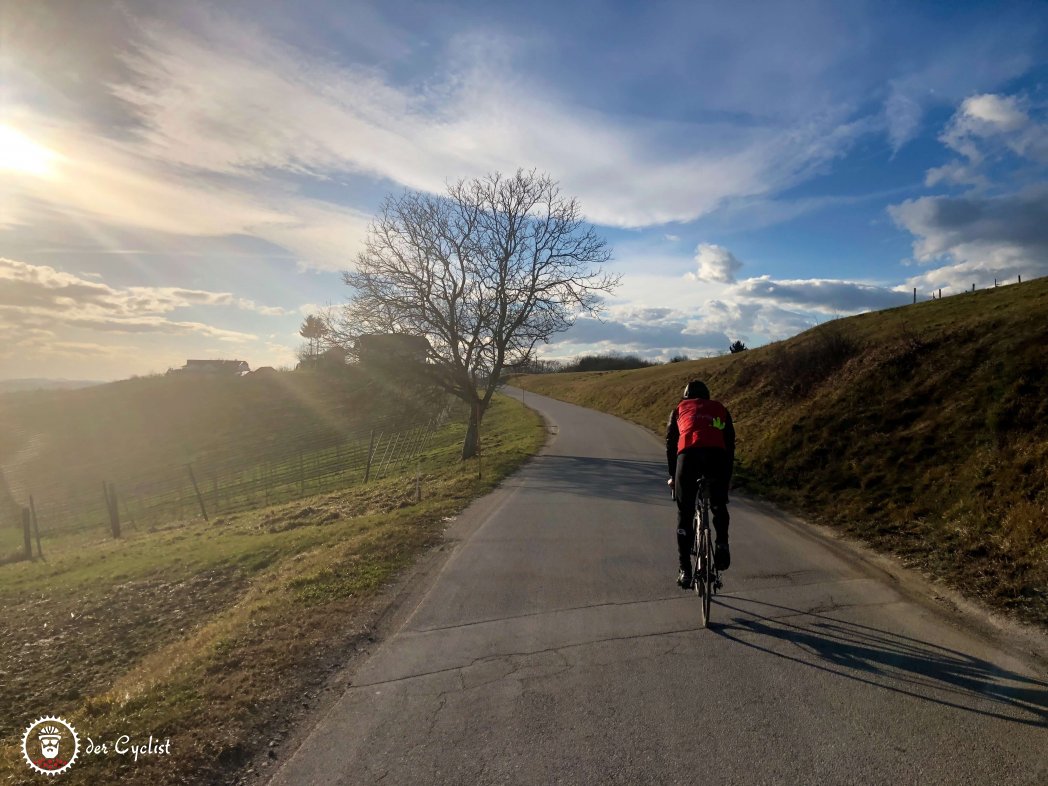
[386, 614]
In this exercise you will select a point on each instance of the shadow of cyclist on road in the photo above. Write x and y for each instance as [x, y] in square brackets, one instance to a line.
[891, 661]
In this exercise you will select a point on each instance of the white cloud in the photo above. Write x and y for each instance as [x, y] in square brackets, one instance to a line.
[79, 349]
[984, 235]
[715, 263]
[269, 311]
[955, 173]
[649, 338]
[977, 59]
[828, 296]
[984, 123]
[1000, 112]
[979, 237]
[232, 101]
[40, 294]
[98, 183]
[903, 114]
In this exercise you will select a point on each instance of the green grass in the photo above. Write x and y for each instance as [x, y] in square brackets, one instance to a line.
[211, 633]
[921, 429]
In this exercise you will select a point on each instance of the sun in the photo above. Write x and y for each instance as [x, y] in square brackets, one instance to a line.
[19, 153]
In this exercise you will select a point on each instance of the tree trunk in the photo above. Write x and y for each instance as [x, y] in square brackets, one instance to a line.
[469, 444]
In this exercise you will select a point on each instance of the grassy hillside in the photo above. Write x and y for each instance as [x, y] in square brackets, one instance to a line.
[921, 429]
[216, 635]
[136, 424]
[59, 445]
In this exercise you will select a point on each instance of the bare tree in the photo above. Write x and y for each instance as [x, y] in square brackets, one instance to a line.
[485, 272]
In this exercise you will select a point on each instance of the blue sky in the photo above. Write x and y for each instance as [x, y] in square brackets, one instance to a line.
[187, 179]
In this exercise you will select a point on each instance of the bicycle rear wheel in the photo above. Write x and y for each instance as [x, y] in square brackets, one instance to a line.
[704, 577]
[696, 559]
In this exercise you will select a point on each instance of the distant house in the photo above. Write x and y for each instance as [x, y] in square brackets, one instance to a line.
[226, 368]
[391, 347]
[332, 356]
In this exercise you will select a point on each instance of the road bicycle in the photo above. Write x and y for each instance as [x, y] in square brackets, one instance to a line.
[705, 576]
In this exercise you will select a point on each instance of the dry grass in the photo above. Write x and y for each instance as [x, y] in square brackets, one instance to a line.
[923, 430]
[213, 635]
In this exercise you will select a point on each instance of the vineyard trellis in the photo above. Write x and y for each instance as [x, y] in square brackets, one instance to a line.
[220, 487]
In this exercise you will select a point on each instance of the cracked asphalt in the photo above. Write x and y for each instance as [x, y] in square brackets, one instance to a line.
[552, 647]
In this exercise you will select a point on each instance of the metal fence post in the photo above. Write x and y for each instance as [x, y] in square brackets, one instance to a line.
[199, 496]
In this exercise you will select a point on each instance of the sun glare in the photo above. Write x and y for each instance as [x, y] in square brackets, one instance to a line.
[19, 153]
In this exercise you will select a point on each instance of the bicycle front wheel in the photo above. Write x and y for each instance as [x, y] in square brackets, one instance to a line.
[704, 575]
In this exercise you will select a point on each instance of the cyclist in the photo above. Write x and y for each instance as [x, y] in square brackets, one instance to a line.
[700, 439]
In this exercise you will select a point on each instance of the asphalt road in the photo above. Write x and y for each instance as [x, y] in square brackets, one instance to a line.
[554, 647]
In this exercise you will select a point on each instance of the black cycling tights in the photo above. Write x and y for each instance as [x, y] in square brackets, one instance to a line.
[713, 463]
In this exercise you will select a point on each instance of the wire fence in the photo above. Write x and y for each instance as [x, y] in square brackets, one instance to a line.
[216, 487]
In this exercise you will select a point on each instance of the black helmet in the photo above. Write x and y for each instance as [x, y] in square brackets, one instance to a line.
[696, 389]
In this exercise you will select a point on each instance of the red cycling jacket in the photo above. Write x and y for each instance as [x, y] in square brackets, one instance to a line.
[701, 423]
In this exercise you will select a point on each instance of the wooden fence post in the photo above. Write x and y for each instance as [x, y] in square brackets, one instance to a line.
[199, 496]
[1020, 278]
[371, 455]
[914, 300]
[36, 528]
[26, 518]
